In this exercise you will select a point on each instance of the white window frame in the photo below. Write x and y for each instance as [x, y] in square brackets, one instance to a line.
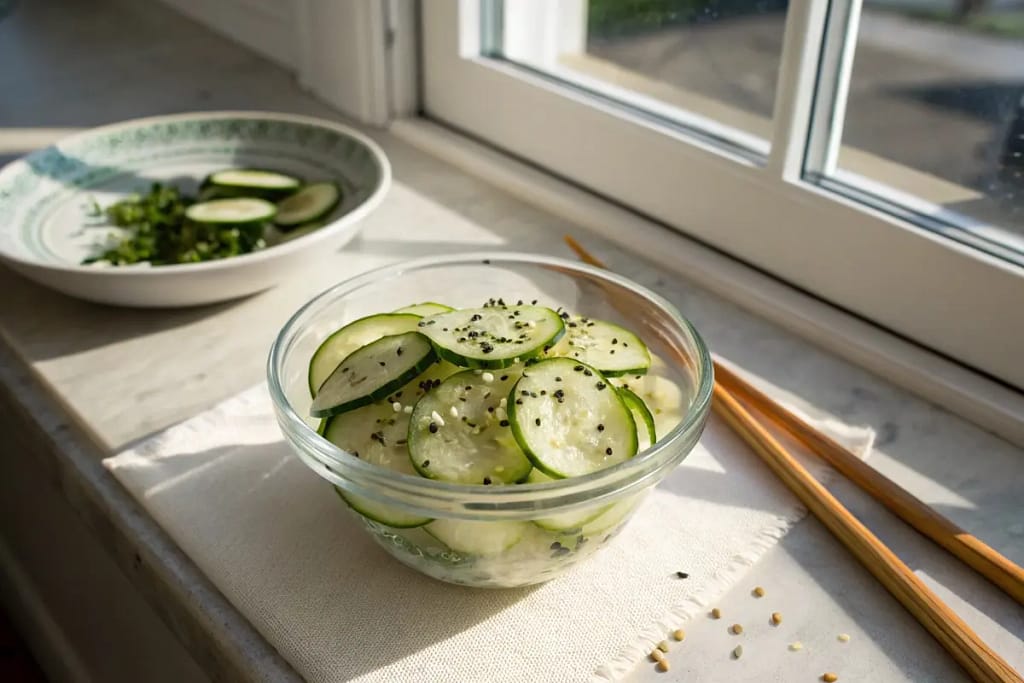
[940, 293]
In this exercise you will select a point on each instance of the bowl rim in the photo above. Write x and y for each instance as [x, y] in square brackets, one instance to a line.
[429, 496]
[356, 214]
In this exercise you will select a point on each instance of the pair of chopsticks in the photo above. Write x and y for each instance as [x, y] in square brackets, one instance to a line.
[977, 658]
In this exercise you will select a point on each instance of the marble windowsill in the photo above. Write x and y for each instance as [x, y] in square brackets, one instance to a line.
[79, 381]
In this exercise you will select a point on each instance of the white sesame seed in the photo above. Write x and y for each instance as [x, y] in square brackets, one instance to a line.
[477, 371]
[487, 377]
[503, 403]
[516, 359]
[797, 645]
[396, 406]
[530, 323]
[437, 418]
[407, 410]
[843, 637]
[499, 468]
[500, 413]
[453, 411]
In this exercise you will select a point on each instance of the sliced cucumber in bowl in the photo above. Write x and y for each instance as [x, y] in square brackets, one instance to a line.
[460, 431]
[358, 333]
[372, 372]
[313, 202]
[425, 308]
[492, 337]
[563, 522]
[610, 348]
[376, 434]
[477, 538]
[642, 417]
[569, 420]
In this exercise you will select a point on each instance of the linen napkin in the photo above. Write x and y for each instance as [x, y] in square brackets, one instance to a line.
[278, 543]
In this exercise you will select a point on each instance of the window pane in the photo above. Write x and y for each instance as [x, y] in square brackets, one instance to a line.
[935, 117]
[706, 65]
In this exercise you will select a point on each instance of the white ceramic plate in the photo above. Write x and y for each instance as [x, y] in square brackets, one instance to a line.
[46, 229]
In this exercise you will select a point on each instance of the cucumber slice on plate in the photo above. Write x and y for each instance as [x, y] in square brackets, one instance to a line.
[311, 203]
[361, 332]
[492, 337]
[477, 538]
[372, 372]
[563, 522]
[239, 211]
[425, 308]
[645, 429]
[569, 421]
[460, 431]
[610, 348]
[376, 433]
[250, 182]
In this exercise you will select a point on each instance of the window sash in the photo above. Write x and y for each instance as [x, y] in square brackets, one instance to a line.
[941, 294]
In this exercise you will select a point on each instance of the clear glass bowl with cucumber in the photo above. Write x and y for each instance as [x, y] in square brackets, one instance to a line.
[490, 419]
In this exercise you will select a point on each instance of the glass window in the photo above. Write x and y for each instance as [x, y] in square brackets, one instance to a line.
[934, 119]
[707, 65]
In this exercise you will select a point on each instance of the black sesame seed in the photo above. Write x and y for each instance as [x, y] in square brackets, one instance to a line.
[399, 351]
[558, 379]
[503, 423]
[559, 394]
[601, 386]
[563, 315]
[469, 388]
[433, 428]
[608, 451]
[487, 481]
[524, 392]
[615, 340]
[587, 373]
[475, 317]
[519, 401]
[682, 575]
[382, 363]
[490, 409]
[425, 463]
[612, 352]
[537, 422]
[578, 368]
[487, 261]
[503, 378]
[555, 546]
[600, 428]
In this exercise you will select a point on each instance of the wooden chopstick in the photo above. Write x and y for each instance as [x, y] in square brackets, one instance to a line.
[980, 661]
[977, 658]
[998, 569]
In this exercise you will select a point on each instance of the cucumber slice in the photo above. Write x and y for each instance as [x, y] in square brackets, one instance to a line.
[377, 434]
[645, 429]
[610, 517]
[563, 521]
[570, 422]
[250, 182]
[492, 337]
[610, 348]
[477, 538]
[425, 308]
[342, 342]
[663, 396]
[382, 514]
[372, 372]
[460, 432]
[237, 211]
[311, 203]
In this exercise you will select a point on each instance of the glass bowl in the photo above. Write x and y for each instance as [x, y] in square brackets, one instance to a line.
[495, 536]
